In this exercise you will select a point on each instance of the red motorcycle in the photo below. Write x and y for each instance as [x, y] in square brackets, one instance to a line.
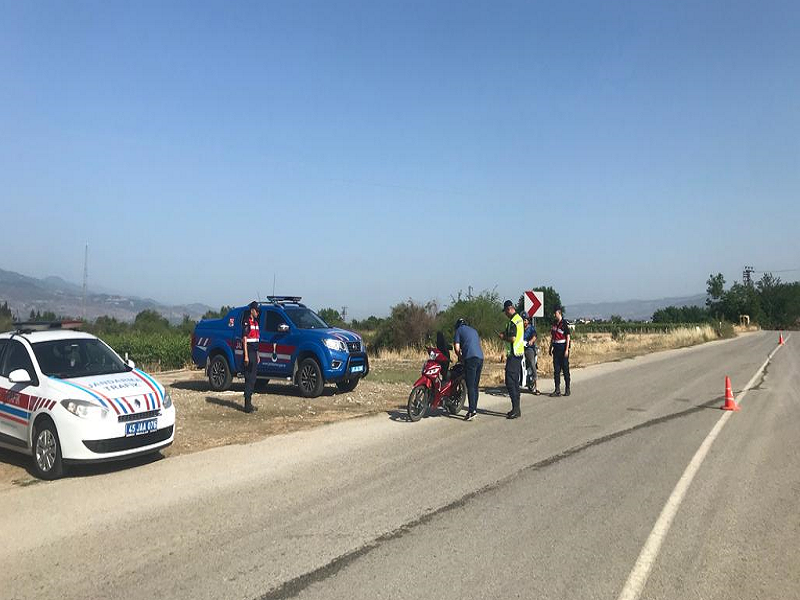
[436, 387]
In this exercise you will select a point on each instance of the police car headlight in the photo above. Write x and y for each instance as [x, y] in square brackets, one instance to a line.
[167, 399]
[84, 409]
[335, 345]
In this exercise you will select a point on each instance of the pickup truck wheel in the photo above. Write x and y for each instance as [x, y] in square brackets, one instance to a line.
[309, 378]
[348, 385]
[219, 374]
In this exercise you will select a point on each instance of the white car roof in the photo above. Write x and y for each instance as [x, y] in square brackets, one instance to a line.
[50, 335]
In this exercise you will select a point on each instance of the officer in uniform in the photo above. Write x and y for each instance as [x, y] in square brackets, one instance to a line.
[514, 337]
[559, 347]
[531, 352]
[250, 339]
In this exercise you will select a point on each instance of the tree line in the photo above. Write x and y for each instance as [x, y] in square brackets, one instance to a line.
[769, 302]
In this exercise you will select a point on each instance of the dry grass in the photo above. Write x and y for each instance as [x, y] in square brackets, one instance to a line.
[491, 349]
[588, 349]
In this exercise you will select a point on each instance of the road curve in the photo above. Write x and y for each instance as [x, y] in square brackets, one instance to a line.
[558, 504]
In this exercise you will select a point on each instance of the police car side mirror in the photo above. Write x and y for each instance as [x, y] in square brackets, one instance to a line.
[283, 328]
[130, 363]
[19, 376]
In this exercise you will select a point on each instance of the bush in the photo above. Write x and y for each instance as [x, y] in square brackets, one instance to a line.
[724, 330]
[410, 324]
[159, 351]
[483, 312]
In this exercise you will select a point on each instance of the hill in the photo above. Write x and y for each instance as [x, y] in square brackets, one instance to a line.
[64, 298]
[635, 310]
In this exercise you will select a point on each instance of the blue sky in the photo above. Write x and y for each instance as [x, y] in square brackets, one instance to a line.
[368, 152]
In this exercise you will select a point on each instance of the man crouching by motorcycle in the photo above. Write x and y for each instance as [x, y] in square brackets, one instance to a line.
[467, 344]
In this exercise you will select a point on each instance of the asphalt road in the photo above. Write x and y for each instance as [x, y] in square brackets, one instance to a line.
[563, 503]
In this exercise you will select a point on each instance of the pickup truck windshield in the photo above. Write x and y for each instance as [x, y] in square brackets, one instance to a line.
[68, 359]
[305, 318]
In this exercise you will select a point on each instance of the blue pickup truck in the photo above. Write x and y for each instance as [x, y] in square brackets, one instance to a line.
[296, 345]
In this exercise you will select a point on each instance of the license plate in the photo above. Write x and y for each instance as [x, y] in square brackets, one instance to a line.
[141, 427]
[357, 369]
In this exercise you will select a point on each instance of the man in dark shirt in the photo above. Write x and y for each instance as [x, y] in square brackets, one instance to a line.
[559, 347]
[531, 353]
[467, 345]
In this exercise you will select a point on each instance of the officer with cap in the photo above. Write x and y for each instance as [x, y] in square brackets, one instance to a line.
[514, 337]
[560, 341]
[250, 338]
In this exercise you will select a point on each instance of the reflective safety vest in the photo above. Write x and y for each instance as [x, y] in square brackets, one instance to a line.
[252, 333]
[518, 347]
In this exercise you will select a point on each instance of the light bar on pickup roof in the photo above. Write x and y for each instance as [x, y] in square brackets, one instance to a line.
[277, 299]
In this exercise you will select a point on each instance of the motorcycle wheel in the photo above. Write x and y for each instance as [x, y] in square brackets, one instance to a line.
[418, 401]
[455, 403]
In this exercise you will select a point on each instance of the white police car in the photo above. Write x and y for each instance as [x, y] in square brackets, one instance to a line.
[66, 396]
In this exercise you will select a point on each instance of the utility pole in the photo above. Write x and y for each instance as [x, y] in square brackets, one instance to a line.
[85, 280]
[344, 314]
[747, 278]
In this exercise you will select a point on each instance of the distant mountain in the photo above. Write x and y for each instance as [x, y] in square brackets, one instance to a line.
[64, 298]
[636, 310]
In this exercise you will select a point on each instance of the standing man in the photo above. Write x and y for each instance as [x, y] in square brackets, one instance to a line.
[559, 347]
[531, 351]
[250, 338]
[514, 337]
[467, 345]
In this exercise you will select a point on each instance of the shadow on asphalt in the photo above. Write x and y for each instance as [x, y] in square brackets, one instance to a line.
[400, 415]
[238, 386]
[75, 471]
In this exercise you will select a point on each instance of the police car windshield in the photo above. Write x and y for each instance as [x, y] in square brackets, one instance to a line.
[68, 359]
[305, 318]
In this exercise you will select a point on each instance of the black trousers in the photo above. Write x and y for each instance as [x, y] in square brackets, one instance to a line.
[472, 376]
[560, 363]
[513, 375]
[250, 373]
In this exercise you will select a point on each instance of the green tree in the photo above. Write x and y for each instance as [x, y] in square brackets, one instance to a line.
[216, 314]
[332, 317]
[151, 321]
[715, 288]
[106, 325]
[410, 324]
[483, 312]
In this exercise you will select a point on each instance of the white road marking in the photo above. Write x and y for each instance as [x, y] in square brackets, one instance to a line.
[647, 557]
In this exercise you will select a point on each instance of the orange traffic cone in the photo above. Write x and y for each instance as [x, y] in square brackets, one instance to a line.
[780, 339]
[730, 403]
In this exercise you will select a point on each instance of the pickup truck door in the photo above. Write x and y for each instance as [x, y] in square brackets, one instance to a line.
[275, 359]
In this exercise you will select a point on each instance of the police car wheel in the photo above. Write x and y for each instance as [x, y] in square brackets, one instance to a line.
[219, 374]
[348, 385]
[309, 378]
[47, 451]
